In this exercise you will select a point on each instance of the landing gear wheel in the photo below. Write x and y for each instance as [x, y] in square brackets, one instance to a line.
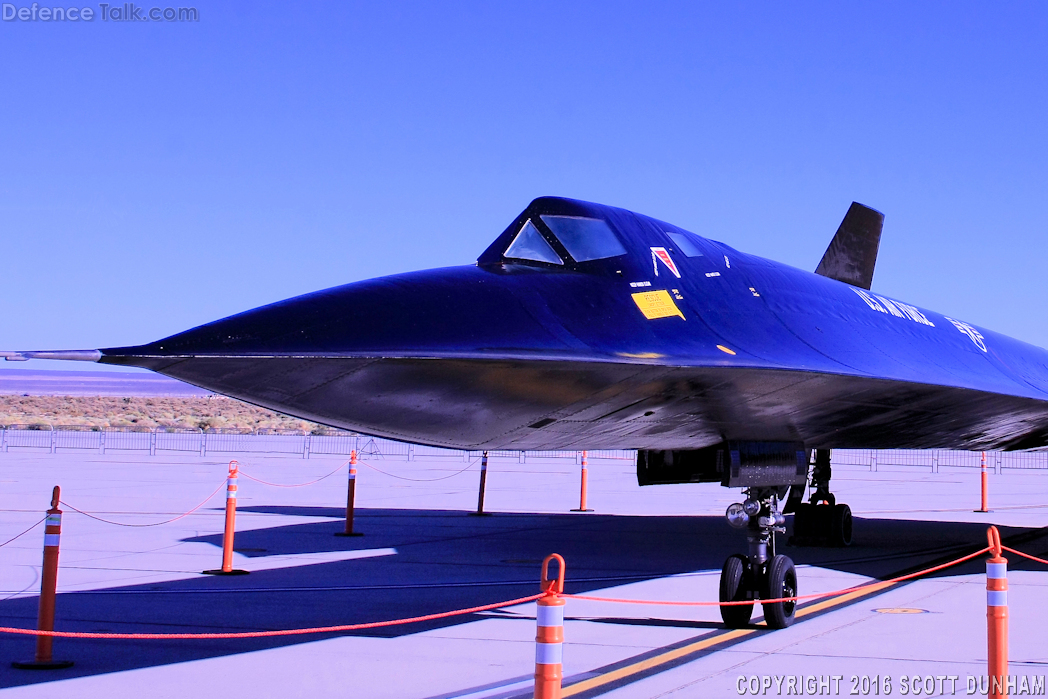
[841, 526]
[803, 524]
[822, 525]
[781, 581]
[735, 582]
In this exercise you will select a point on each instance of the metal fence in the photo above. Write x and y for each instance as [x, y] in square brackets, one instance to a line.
[73, 438]
[67, 438]
[933, 459]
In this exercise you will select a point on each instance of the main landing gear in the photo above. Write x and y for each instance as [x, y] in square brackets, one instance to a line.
[820, 521]
[763, 574]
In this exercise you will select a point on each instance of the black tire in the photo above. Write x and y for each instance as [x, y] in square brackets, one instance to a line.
[735, 582]
[841, 526]
[803, 521]
[781, 581]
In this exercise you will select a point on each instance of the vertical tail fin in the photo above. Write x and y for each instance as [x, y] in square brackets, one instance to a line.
[852, 253]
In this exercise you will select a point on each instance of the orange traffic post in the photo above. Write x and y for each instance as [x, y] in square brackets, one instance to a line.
[996, 616]
[585, 484]
[351, 496]
[985, 500]
[549, 637]
[231, 516]
[48, 587]
[483, 486]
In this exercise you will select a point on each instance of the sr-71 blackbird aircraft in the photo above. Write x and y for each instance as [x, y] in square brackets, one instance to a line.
[590, 327]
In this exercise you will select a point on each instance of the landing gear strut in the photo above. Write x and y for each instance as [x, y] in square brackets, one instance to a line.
[762, 575]
[821, 521]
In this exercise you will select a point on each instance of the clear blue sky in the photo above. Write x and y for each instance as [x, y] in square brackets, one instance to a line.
[156, 176]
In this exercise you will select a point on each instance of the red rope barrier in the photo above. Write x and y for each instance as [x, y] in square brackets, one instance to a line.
[486, 607]
[151, 524]
[292, 485]
[268, 634]
[38, 522]
[421, 480]
[1024, 555]
[834, 593]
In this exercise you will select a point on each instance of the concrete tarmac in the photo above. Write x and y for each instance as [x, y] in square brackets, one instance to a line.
[422, 553]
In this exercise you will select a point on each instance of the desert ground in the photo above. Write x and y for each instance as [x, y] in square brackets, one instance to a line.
[100, 412]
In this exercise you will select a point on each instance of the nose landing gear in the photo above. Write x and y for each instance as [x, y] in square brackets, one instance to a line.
[762, 575]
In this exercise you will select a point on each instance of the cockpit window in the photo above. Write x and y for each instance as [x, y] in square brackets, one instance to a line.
[685, 244]
[585, 238]
[530, 245]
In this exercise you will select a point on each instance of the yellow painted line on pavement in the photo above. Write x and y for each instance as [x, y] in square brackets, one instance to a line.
[643, 665]
[703, 644]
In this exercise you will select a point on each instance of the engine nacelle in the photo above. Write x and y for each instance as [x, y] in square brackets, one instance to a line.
[732, 464]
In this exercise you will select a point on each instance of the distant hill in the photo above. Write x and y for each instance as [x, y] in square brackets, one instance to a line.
[93, 383]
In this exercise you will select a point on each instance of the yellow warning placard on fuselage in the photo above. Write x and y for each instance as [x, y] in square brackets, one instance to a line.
[657, 304]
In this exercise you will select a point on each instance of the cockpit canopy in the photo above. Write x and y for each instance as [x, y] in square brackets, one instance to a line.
[559, 233]
[566, 234]
[584, 239]
[531, 245]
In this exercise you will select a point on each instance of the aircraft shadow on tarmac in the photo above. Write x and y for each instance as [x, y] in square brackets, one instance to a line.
[445, 560]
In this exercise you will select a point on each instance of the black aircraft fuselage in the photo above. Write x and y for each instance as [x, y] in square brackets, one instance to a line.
[585, 326]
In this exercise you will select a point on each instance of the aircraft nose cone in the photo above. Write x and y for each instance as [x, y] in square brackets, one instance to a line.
[419, 354]
[460, 310]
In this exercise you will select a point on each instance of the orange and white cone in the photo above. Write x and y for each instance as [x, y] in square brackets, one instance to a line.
[549, 636]
[48, 589]
[984, 483]
[230, 528]
[584, 485]
[997, 617]
[351, 497]
[483, 486]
